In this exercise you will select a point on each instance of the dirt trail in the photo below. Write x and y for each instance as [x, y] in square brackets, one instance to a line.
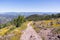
[30, 34]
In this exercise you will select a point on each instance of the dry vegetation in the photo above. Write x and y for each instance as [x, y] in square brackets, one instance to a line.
[13, 33]
[38, 25]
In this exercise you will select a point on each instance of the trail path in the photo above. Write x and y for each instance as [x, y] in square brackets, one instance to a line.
[30, 34]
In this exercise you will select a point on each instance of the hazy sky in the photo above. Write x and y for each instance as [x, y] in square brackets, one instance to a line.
[29, 5]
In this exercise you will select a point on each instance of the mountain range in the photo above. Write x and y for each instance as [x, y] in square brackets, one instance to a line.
[8, 16]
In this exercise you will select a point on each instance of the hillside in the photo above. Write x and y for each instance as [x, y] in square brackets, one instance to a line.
[21, 28]
[25, 30]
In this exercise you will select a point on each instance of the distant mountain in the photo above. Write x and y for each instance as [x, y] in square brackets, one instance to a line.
[8, 16]
[27, 13]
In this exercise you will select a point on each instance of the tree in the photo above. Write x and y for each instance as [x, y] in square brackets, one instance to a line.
[58, 15]
[18, 21]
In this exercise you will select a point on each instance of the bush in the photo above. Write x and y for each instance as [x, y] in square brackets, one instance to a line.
[18, 21]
